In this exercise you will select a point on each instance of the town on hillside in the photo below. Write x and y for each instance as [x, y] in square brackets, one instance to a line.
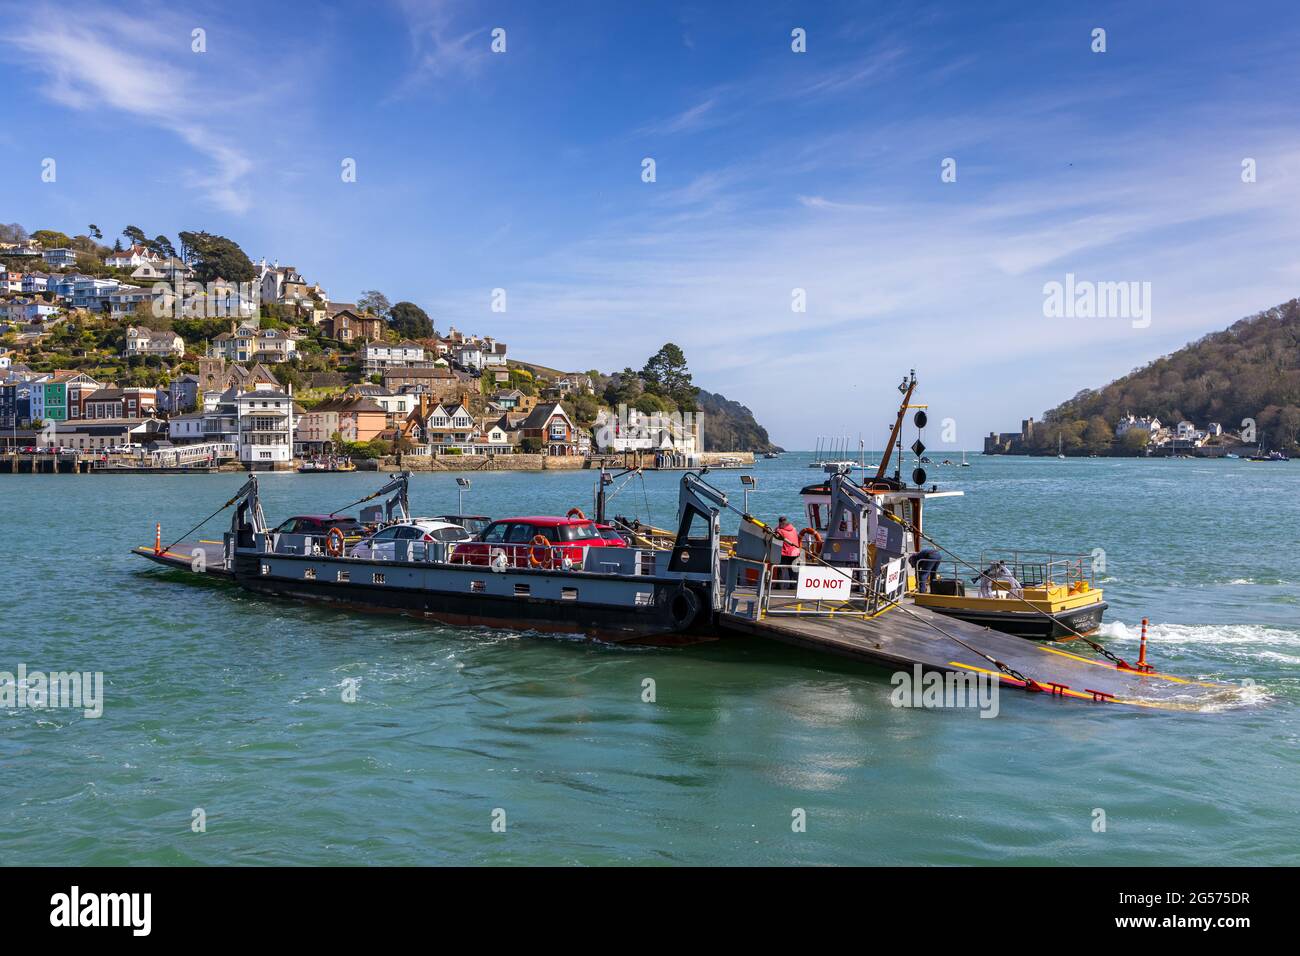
[146, 355]
[1131, 436]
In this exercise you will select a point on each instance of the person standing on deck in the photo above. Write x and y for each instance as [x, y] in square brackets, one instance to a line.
[790, 548]
[927, 567]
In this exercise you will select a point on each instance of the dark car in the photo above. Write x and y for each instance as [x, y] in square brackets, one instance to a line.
[321, 525]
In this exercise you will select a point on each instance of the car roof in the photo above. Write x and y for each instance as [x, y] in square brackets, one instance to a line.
[543, 519]
[323, 517]
[432, 523]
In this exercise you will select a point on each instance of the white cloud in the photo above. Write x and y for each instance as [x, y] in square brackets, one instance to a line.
[130, 65]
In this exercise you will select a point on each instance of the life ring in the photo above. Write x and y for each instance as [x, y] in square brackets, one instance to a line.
[547, 558]
[334, 542]
[576, 513]
[816, 547]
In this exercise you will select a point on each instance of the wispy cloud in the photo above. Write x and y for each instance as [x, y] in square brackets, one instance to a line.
[128, 64]
[696, 117]
[438, 47]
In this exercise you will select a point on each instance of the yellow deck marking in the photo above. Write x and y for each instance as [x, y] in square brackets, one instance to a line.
[1071, 692]
[1109, 666]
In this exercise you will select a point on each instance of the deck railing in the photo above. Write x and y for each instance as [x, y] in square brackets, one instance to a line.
[758, 589]
[1029, 569]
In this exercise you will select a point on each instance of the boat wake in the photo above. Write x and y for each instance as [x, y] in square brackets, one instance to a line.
[1183, 635]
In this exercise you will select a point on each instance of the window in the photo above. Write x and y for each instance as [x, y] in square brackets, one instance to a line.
[478, 587]
[524, 533]
[569, 594]
[377, 578]
[344, 577]
[309, 574]
[522, 590]
[266, 569]
[496, 533]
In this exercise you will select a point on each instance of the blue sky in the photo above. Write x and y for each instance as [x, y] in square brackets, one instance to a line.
[775, 170]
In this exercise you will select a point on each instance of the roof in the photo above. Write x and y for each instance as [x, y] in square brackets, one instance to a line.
[540, 415]
[548, 519]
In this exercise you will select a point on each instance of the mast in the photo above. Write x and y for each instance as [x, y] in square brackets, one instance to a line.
[907, 386]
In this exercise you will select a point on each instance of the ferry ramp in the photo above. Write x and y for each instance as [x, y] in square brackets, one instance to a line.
[899, 635]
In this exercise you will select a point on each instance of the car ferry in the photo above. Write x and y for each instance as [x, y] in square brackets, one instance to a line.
[535, 573]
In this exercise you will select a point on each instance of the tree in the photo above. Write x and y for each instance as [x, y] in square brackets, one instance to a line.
[216, 257]
[12, 232]
[163, 246]
[374, 302]
[1135, 440]
[666, 374]
[52, 239]
[410, 321]
[94, 231]
[135, 235]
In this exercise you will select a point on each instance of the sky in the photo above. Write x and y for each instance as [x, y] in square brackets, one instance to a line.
[780, 177]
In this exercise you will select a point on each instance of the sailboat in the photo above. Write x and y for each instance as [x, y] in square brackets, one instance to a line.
[964, 462]
[1058, 448]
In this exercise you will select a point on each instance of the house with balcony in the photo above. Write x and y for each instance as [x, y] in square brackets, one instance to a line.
[60, 258]
[144, 341]
[379, 356]
[266, 428]
[127, 300]
[33, 312]
[34, 282]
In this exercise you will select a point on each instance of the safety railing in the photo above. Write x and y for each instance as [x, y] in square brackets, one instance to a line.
[757, 589]
[999, 572]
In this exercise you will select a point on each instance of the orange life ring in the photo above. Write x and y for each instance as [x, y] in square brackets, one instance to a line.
[816, 547]
[547, 558]
[575, 513]
[334, 542]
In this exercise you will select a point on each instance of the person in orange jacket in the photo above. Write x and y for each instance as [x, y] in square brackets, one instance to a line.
[789, 542]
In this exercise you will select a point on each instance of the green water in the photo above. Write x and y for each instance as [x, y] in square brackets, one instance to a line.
[230, 703]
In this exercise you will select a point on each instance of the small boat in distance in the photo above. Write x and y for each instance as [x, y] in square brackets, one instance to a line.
[326, 463]
[964, 462]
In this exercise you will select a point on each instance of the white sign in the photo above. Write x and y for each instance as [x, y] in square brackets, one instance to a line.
[820, 583]
[893, 575]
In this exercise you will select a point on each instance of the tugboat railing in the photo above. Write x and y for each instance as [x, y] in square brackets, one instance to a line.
[1030, 569]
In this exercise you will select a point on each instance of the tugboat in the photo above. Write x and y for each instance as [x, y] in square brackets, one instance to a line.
[1035, 596]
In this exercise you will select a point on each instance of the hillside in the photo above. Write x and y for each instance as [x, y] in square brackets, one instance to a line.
[730, 426]
[1249, 371]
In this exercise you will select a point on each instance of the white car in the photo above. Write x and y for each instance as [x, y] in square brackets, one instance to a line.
[382, 545]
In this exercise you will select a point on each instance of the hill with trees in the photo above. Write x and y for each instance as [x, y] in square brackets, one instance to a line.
[1251, 370]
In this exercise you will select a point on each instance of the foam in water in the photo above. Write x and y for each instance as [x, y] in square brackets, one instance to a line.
[1179, 635]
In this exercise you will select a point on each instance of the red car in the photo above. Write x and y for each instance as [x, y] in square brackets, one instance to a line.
[538, 542]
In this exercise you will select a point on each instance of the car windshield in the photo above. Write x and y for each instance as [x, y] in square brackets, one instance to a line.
[447, 534]
[577, 532]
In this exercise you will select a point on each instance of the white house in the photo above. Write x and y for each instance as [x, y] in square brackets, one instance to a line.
[381, 355]
[265, 428]
[132, 258]
[143, 341]
[1150, 425]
